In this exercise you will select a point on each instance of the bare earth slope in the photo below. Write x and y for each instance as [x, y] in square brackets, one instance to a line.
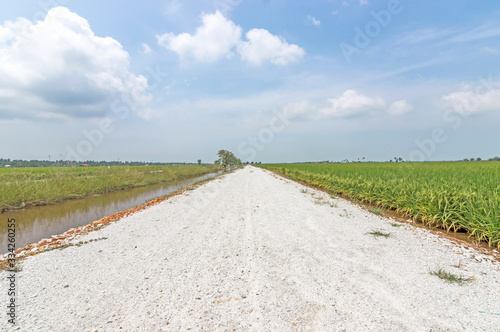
[252, 251]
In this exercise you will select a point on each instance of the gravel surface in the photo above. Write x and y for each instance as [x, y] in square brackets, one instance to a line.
[254, 251]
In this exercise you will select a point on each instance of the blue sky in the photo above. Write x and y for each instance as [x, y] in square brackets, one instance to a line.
[272, 81]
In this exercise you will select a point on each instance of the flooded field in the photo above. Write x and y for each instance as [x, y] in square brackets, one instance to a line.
[36, 223]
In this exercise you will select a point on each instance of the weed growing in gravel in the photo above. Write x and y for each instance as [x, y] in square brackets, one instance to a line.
[320, 201]
[377, 211]
[304, 191]
[379, 233]
[450, 277]
[16, 268]
[345, 214]
[77, 244]
[333, 205]
[91, 240]
[395, 224]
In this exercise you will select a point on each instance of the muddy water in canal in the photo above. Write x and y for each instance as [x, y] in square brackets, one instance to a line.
[36, 223]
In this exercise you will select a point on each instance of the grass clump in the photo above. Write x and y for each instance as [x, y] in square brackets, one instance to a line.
[345, 214]
[377, 211]
[16, 268]
[320, 201]
[395, 224]
[450, 277]
[379, 233]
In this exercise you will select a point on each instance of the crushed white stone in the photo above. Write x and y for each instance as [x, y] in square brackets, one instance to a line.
[251, 251]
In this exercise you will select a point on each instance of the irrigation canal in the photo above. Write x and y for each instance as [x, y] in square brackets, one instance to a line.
[36, 223]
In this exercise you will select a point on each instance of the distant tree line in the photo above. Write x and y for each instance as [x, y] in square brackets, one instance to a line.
[359, 160]
[226, 159]
[68, 163]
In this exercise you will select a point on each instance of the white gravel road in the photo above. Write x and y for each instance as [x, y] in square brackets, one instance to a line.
[253, 252]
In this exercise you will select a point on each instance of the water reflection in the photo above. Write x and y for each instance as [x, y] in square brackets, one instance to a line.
[36, 223]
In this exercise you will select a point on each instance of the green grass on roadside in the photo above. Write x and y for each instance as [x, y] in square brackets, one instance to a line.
[450, 277]
[379, 233]
[377, 211]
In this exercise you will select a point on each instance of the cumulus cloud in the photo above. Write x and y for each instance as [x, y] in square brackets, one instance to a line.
[218, 37]
[58, 68]
[400, 107]
[211, 41]
[352, 104]
[312, 20]
[468, 100]
[263, 46]
[349, 105]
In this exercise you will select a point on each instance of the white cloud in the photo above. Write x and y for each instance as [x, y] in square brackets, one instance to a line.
[423, 35]
[217, 37]
[400, 107]
[263, 46]
[363, 2]
[58, 68]
[468, 100]
[352, 104]
[312, 20]
[146, 49]
[211, 41]
[456, 35]
[349, 105]
[486, 30]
